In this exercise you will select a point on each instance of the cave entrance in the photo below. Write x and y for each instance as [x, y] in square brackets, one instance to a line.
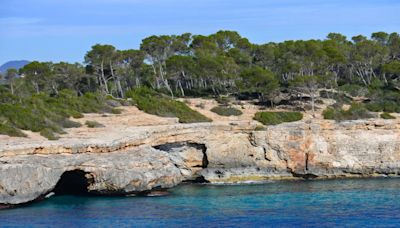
[72, 182]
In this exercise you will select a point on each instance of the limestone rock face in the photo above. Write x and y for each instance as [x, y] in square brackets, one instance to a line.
[335, 149]
[140, 159]
[190, 158]
[27, 177]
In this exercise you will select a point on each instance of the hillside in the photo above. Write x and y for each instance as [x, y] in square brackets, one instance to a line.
[17, 64]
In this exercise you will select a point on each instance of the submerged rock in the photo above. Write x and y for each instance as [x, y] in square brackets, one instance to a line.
[157, 193]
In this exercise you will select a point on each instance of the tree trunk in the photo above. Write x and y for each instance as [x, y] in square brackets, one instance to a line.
[117, 82]
[104, 78]
[54, 87]
[165, 81]
[36, 85]
[180, 87]
[137, 81]
[12, 87]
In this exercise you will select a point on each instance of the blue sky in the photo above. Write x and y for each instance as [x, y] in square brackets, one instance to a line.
[56, 30]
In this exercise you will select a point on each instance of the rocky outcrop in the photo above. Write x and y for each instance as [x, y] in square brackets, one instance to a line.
[26, 177]
[145, 158]
[322, 149]
[190, 158]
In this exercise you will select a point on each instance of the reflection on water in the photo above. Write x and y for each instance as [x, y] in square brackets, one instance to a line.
[373, 202]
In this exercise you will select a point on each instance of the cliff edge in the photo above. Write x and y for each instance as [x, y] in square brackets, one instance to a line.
[137, 159]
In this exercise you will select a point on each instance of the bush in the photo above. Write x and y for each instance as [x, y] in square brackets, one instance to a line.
[223, 100]
[48, 114]
[69, 124]
[384, 101]
[49, 134]
[273, 118]
[151, 102]
[355, 112]
[116, 111]
[93, 124]
[259, 128]
[226, 111]
[7, 129]
[355, 90]
[77, 115]
[329, 113]
[386, 115]
[383, 106]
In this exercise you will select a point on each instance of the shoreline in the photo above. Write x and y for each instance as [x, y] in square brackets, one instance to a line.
[127, 159]
[166, 192]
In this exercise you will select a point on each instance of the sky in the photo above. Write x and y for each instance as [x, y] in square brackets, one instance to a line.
[64, 30]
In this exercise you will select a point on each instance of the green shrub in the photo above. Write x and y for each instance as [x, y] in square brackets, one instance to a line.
[259, 128]
[49, 134]
[116, 111]
[383, 106]
[273, 118]
[386, 115]
[93, 124]
[7, 129]
[354, 90]
[355, 112]
[77, 115]
[329, 113]
[340, 98]
[66, 123]
[384, 100]
[48, 114]
[223, 100]
[153, 103]
[226, 111]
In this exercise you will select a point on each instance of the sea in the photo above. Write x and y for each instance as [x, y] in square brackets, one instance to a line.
[312, 203]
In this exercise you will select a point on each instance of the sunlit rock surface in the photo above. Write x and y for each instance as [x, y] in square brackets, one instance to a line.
[139, 159]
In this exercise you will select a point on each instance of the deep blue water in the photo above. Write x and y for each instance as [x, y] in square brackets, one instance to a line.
[356, 203]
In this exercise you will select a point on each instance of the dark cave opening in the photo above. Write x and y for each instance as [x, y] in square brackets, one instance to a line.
[72, 182]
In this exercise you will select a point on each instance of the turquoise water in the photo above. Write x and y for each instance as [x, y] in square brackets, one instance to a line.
[357, 203]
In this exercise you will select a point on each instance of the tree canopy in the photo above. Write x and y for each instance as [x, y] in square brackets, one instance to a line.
[221, 63]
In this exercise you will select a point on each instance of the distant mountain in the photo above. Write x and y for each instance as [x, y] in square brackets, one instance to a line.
[13, 64]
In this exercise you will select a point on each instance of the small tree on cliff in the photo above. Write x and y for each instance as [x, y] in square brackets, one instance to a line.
[308, 84]
[261, 81]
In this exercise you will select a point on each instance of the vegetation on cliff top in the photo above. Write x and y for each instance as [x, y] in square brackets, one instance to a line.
[93, 124]
[47, 114]
[386, 115]
[223, 63]
[375, 98]
[226, 111]
[157, 104]
[273, 118]
[354, 112]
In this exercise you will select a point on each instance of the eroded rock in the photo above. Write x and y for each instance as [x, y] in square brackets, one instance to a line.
[142, 159]
[26, 177]
[190, 158]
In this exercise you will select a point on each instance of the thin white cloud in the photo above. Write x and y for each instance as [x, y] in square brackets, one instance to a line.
[14, 21]
[70, 30]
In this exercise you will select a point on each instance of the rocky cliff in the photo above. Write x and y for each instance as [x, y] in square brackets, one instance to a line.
[140, 159]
